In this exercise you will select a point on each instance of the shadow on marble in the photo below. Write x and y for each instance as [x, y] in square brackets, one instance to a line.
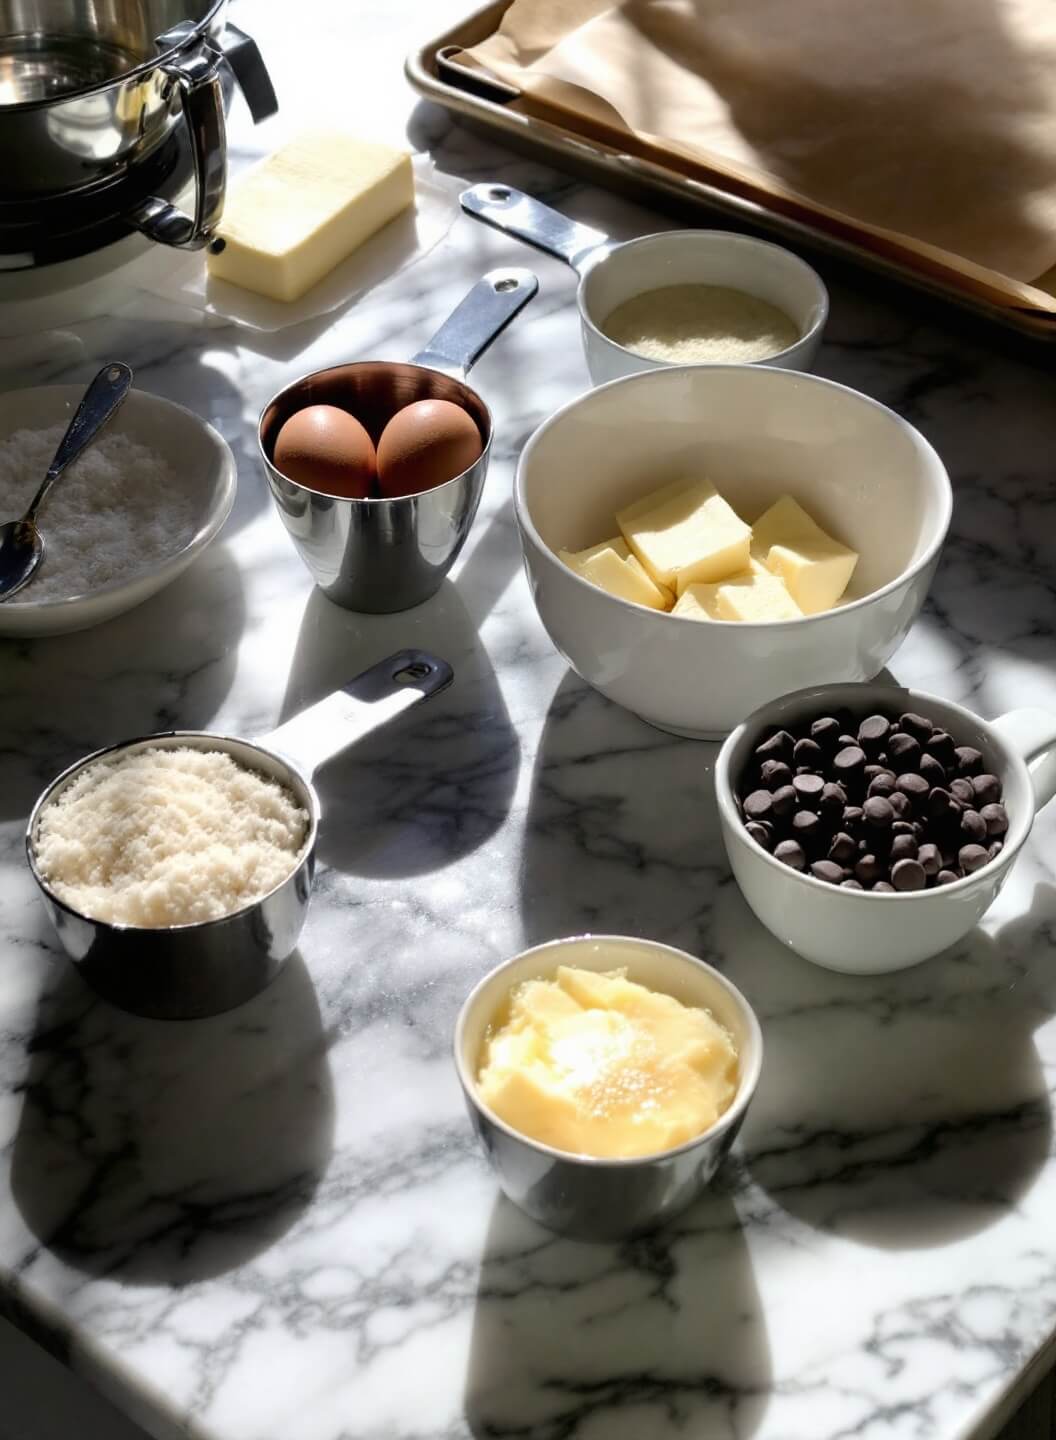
[167, 664]
[618, 1340]
[909, 1111]
[157, 1152]
[422, 795]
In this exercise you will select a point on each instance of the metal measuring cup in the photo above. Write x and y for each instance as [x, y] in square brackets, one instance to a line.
[386, 555]
[181, 972]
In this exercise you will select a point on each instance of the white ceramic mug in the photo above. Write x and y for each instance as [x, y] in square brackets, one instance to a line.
[612, 273]
[856, 931]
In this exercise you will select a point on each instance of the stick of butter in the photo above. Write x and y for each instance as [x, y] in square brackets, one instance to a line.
[297, 215]
[686, 534]
[816, 568]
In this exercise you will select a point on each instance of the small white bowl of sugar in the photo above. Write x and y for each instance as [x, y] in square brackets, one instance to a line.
[127, 517]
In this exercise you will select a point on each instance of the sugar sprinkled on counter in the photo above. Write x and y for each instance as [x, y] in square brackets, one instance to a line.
[117, 512]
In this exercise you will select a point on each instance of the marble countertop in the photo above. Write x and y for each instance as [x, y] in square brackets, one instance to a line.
[276, 1222]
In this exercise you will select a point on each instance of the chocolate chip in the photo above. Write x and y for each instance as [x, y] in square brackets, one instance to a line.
[843, 848]
[872, 733]
[853, 817]
[805, 825]
[904, 749]
[969, 759]
[778, 747]
[774, 774]
[878, 812]
[928, 855]
[994, 850]
[904, 827]
[846, 739]
[908, 875]
[784, 800]
[883, 887]
[807, 752]
[973, 826]
[758, 805]
[904, 847]
[914, 787]
[868, 869]
[995, 818]
[900, 804]
[918, 726]
[946, 877]
[849, 761]
[851, 884]
[790, 853]
[961, 790]
[938, 803]
[826, 732]
[826, 870]
[833, 797]
[932, 771]
[971, 858]
[808, 788]
[941, 746]
[882, 783]
[762, 834]
[987, 789]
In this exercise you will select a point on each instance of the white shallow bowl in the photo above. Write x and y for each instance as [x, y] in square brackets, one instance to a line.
[698, 257]
[200, 459]
[755, 432]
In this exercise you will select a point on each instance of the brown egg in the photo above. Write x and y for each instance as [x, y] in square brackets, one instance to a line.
[327, 449]
[424, 445]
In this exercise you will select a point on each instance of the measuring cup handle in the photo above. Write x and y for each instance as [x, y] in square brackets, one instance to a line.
[515, 213]
[478, 320]
[362, 706]
[1032, 734]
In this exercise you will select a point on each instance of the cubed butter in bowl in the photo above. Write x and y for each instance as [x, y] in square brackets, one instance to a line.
[790, 525]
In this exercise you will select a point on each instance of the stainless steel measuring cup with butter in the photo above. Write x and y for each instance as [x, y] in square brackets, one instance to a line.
[180, 972]
[612, 273]
[382, 555]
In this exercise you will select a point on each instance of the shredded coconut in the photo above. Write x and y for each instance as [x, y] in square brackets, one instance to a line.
[115, 513]
[688, 323]
[168, 836]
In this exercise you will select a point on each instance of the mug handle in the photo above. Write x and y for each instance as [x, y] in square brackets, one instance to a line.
[1031, 732]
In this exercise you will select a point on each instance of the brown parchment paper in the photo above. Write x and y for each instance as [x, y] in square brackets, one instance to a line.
[926, 128]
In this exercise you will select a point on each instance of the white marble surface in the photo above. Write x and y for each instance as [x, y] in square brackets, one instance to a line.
[275, 1223]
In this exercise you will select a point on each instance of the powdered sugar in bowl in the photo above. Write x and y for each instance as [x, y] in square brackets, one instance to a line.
[128, 517]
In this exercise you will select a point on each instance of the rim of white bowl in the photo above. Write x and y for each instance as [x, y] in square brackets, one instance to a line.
[213, 520]
[1014, 839]
[660, 377]
[717, 238]
[748, 1079]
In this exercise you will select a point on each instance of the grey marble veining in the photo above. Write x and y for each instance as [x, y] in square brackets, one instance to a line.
[275, 1222]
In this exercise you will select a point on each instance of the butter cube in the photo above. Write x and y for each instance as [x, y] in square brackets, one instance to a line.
[305, 209]
[605, 569]
[666, 596]
[816, 568]
[576, 558]
[699, 602]
[686, 534]
[755, 597]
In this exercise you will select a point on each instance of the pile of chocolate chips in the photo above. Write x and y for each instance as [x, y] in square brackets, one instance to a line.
[887, 804]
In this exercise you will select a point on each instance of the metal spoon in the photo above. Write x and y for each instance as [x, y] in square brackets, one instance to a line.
[21, 543]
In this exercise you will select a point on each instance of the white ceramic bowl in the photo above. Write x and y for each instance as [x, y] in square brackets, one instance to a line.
[855, 931]
[698, 257]
[755, 432]
[577, 1194]
[200, 459]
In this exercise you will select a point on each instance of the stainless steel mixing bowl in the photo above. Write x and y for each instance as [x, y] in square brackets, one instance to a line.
[90, 88]
[385, 555]
[185, 971]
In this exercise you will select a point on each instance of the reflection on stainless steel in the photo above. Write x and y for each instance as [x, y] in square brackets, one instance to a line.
[386, 555]
[90, 88]
[186, 971]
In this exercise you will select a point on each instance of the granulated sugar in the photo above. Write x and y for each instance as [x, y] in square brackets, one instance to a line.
[115, 513]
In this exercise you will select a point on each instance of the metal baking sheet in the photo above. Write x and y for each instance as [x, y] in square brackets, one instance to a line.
[435, 74]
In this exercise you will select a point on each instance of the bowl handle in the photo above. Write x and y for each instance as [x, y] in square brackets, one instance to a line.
[362, 706]
[1032, 734]
[478, 319]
